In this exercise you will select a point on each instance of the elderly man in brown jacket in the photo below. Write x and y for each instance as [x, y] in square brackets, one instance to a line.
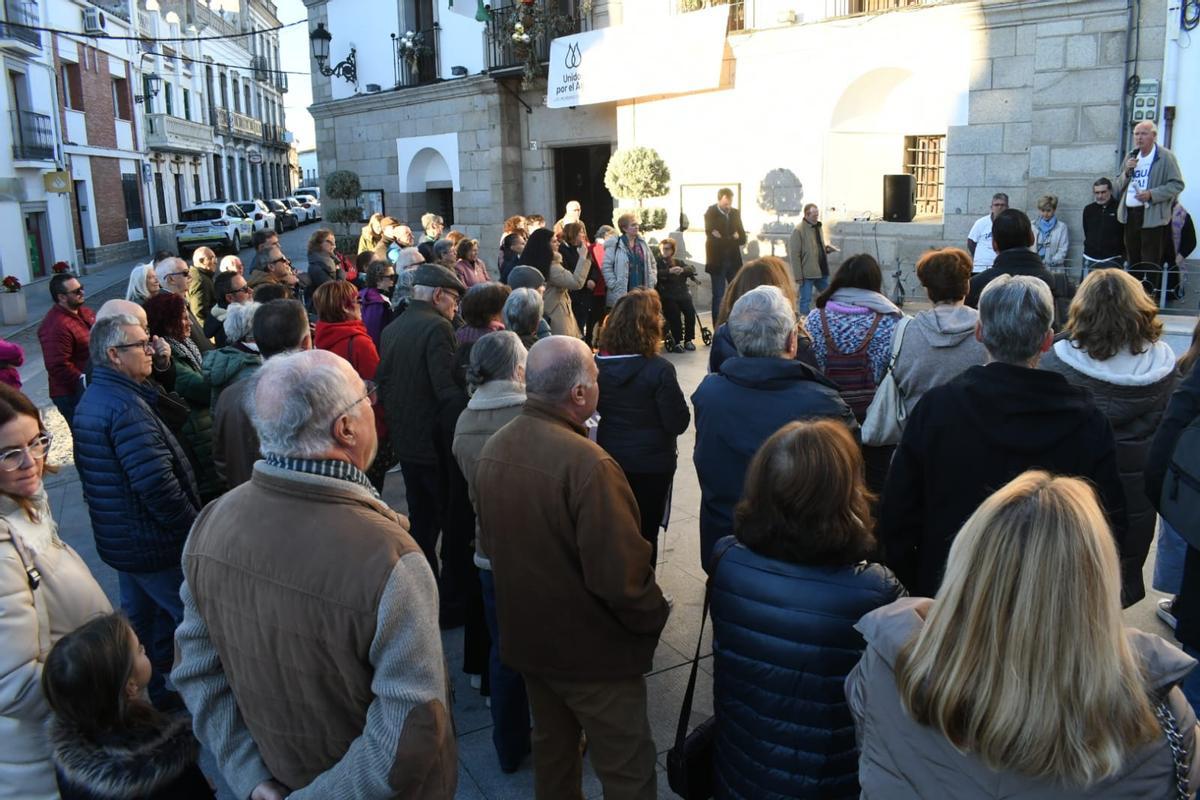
[579, 611]
[309, 653]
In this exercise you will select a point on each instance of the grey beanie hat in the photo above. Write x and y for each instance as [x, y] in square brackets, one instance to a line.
[525, 277]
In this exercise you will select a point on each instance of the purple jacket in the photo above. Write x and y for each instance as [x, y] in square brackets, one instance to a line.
[376, 312]
[11, 357]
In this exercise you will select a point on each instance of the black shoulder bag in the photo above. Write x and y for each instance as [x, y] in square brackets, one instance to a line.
[690, 760]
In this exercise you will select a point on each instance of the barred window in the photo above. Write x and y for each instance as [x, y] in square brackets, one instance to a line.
[925, 159]
[737, 10]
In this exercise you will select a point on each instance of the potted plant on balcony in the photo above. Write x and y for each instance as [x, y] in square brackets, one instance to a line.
[533, 21]
[412, 48]
[638, 173]
[12, 302]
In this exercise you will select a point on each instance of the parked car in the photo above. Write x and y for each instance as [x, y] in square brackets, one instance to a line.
[220, 225]
[284, 218]
[304, 214]
[313, 203]
[313, 191]
[257, 210]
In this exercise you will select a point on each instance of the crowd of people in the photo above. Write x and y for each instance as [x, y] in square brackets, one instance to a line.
[919, 532]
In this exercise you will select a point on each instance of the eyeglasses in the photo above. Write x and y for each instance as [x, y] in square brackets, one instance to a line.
[12, 459]
[371, 389]
[175, 275]
[243, 290]
[284, 259]
[145, 344]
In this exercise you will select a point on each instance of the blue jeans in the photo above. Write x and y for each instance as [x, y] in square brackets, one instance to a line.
[510, 705]
[718, 293]
[1170, 553]
[152, 603]
[806, 292]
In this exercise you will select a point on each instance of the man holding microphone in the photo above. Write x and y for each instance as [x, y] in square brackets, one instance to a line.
[1147, 185]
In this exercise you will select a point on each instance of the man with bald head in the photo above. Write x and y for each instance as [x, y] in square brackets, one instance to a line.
[201, 294]
[578, 609]
[1147, 186]
[335, 685]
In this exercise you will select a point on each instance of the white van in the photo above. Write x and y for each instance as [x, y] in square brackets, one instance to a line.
[315, 191]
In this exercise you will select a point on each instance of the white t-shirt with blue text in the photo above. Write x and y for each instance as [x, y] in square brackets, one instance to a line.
[981, 235]
[1141, 178]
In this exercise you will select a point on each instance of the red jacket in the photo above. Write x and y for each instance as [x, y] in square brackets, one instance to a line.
[64, 337]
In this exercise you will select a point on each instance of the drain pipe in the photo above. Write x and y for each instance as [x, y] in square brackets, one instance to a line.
[1131, 78]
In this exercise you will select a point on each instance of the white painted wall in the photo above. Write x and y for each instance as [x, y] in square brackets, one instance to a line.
[462, 41]
[831, 102]
[1185, 134]
[372, 43]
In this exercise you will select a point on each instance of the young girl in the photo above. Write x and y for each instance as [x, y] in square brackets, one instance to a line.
[107, 740]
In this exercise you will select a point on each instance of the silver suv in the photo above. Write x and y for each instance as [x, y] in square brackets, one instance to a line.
[219, 225]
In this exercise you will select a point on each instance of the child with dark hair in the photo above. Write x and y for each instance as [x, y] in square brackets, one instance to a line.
[107, 740]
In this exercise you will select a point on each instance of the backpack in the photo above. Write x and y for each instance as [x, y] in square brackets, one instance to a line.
[1180, 500]
[852, 372]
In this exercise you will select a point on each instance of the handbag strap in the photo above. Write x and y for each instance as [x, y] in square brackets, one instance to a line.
[685, 713]
[1179, 752]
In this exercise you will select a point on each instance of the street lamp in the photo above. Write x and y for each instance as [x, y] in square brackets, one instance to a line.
[320, 39]
[153, 81]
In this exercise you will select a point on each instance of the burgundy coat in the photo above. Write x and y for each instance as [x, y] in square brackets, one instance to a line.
[64, 337]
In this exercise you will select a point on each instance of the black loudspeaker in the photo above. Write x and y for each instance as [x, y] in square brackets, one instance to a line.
[899, 198]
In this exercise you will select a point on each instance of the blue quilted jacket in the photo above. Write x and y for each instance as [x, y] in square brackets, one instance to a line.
[783, 644]
[140, 490]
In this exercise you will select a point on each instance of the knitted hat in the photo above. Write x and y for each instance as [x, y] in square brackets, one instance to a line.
[523, 277]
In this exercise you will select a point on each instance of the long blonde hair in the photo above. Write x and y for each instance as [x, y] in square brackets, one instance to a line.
[1023, 659]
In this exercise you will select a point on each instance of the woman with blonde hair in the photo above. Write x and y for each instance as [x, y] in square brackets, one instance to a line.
[765, 271]
[786, 592]
[1020, 679]
[1113, 348]
[372, 233]
[143, 284]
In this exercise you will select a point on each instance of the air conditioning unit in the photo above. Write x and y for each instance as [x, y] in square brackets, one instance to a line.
[94, 21]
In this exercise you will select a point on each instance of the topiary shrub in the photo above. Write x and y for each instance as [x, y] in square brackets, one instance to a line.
[344, 187]
[639, 173]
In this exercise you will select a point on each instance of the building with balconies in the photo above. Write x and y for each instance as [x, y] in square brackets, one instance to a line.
[960, 98]
[34, 222]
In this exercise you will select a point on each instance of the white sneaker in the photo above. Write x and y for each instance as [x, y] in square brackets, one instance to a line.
[670, 600]
[476, 681]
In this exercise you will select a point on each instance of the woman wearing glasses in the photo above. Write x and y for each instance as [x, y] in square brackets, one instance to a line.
[46, 591]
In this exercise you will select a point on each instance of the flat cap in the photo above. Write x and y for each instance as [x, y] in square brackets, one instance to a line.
[438, 277]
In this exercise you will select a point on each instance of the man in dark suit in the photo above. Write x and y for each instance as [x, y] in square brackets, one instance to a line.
[724, 237]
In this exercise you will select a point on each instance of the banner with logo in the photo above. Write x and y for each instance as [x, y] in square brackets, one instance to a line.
[627, 61]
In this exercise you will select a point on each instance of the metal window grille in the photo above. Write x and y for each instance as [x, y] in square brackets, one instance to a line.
[925, 160]
[737, 10]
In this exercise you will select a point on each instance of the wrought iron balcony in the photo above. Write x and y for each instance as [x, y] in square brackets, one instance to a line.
[506, 55]
[238, 125]
[275, 136]
[416, 60]
[33, 136]
[177, 135]
[16, 29]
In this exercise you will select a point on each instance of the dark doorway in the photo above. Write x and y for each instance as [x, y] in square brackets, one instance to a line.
[579, 175]
[440, 201]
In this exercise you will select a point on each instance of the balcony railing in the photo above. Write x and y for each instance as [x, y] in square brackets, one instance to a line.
[18, 14]
[33, 136]
[281, 81]
[231, 122]
[262, 69]
[177, 135]
[275, 136]
[420, 64]
[751, 14]
[503, 53]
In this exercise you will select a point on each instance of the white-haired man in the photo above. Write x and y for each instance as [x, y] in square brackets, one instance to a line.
[1147, 185]
[201, 294]
[555, 510]
[764, 377]
[987, 426]
[335, 685]
[174, 277]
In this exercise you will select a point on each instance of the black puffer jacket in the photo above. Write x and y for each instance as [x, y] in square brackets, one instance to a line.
[642, 411]
[1134, 405]
[969, 437]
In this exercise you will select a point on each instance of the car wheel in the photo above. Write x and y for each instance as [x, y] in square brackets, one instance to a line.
[237, 243]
